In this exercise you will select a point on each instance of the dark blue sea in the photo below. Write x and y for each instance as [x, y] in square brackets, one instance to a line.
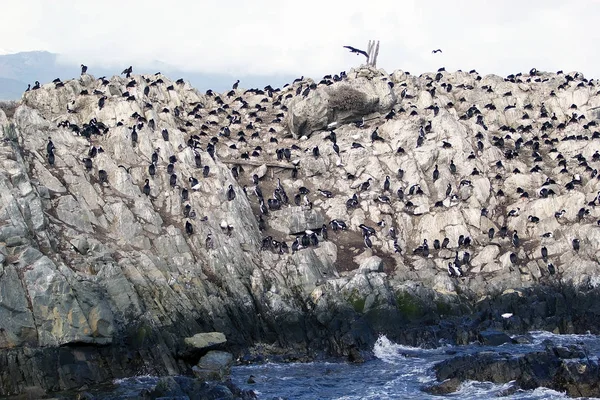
[396, 372]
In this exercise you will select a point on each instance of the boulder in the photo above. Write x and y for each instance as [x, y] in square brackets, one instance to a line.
[371, 264]
[340, 102]
[293, 220]
[493, 338]
[215, 365]
[198, 344]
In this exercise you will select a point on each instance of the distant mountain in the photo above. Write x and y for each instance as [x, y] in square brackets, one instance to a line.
[11, 89]
[20, 69]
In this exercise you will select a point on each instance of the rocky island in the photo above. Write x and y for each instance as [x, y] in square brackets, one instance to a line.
[296, 222]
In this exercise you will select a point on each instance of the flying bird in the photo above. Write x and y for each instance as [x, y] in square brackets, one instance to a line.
[436, 51]
[357, 51]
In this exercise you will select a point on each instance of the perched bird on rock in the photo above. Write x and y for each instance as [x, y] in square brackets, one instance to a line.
[230, 193]
[147, 187]
[127, 71]
[209, 242]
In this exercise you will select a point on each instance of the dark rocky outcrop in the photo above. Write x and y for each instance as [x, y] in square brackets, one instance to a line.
[180, 387]
[559, 368]
[103, 277]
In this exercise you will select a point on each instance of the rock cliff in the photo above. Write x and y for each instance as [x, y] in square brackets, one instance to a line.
[137, 212]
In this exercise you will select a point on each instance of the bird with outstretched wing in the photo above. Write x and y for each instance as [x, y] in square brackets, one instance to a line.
[357, 51]
[436, 51]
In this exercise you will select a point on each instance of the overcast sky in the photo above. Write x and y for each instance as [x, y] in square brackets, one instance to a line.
[306, 37]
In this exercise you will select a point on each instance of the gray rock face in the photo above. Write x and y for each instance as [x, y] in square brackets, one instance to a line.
[350, 100]
[104, 263]
[294, 220]
[371, 264]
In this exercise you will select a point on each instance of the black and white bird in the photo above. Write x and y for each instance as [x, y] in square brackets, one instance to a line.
[209, 241]
[127, 71]
[325, 193]
[324, 232]
[51, 157]
[103, 176]
[386, 184]
[296, 245]
[544, 253]
[147, 187]
[368, 242]
[189, 229]
[230, 193]
[454, 270]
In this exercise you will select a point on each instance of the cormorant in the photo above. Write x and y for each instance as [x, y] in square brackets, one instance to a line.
[88, 164]
[189, 229]
[127, 71]
[134, 136]
[51, 157]
[230, 193]
[544, 253]
[103, 176]
[357, 51]
[147, 187]
[209, 241]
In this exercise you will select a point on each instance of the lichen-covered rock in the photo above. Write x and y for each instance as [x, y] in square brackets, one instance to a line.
[206, 339]
[140, 224]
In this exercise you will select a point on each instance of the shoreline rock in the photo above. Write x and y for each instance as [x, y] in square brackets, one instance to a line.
[555, 368]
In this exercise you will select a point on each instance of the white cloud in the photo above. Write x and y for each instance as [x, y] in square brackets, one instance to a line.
[305, 38]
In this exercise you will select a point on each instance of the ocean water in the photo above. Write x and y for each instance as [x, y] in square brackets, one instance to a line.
[396, 372]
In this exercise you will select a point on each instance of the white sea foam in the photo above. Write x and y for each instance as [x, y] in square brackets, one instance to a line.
[390, 352]
[136, 379]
